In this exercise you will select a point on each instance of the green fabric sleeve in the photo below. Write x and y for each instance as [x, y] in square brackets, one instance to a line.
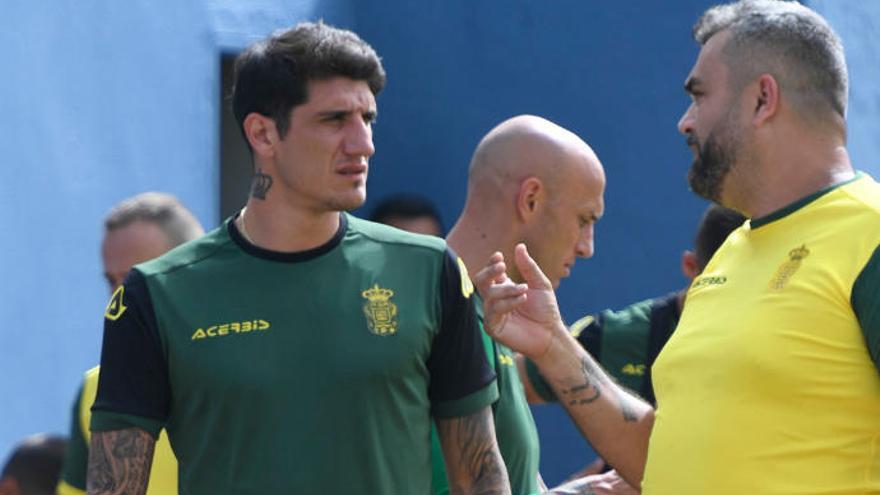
[76, 457]
[466, 405]
[865, 300]
[109, 421]
[538, 383]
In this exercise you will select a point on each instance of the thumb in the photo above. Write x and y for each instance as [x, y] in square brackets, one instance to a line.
[530, 271]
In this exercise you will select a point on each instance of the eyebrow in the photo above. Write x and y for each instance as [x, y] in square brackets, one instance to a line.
[334, 114]
[342, 114]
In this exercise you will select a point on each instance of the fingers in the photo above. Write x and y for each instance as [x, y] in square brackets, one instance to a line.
[530, 270]
[497, 311]
[495, 272]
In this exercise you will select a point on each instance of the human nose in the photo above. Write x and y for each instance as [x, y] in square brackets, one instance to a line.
[584, 247]
[359, 139]
[686, 122]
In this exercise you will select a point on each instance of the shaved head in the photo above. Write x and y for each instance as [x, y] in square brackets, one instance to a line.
[525, 146]
[533, 181]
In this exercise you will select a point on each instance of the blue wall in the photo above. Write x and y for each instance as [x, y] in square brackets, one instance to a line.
[104, 101]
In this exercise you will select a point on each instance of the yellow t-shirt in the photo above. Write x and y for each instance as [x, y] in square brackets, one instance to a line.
[163, 475]
[767, 386]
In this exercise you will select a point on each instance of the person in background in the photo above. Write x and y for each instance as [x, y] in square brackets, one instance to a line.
[410, 212]
[136, 230]
[34, 466]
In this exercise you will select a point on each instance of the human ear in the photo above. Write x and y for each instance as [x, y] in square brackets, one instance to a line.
[261, 134]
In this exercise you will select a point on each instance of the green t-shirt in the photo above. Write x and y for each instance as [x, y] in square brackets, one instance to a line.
[307, 372]
[514, 425]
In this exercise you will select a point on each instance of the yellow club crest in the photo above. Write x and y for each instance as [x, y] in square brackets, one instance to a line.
[788, 268]
[381, 313]
[115, 308]
[467, 287]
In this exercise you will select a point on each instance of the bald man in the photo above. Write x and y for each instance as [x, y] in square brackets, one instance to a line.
[535, 182]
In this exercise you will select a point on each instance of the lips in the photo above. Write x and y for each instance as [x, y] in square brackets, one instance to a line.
[352, 169]
[693, 144]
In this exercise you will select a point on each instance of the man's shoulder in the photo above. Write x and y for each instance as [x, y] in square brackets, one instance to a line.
[367, 231]
[866, 192]
[188, 254]
[635, 314]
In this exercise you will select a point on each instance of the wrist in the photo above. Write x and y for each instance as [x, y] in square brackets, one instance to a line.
[560, 349]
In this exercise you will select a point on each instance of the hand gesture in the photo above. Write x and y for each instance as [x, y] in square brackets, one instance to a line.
[609, 483]
[524, 317]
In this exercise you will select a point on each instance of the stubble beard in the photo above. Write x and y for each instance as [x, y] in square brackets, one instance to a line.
[714, 161]
[347, 202]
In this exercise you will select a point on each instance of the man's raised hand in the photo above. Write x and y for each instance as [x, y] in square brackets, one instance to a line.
[524, 317]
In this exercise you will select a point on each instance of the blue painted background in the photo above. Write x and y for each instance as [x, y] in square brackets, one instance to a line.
[102, 100]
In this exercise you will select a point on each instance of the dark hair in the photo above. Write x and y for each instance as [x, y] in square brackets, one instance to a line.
[177, 223]
[406, 206]
[272, 76]
[717, 223]
[36, 464]
[785, 39]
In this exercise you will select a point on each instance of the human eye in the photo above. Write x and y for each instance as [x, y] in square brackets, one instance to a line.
[369, 118]
[334, 117]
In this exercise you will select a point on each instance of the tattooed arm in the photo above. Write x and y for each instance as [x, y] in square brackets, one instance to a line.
[525, 317]
[473, 462]
[119, 462]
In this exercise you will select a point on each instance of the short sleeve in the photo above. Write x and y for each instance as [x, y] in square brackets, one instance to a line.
[462, 382]
[76, 457]
[866, 304]
[133, 388]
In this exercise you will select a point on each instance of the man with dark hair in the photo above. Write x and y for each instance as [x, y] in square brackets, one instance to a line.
[770, 383]
[298, 349]
[33, 466]
[409, 212]
[136, 230]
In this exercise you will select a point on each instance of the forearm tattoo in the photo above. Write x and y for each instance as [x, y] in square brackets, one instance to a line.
[594, 380]
[119, 462]
[261, 184]
[477, 467]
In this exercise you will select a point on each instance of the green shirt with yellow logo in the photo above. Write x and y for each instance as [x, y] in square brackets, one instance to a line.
[308, 372]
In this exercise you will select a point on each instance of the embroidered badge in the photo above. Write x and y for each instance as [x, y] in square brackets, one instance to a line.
[115, 308]
[381, 313]
[788, 268]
